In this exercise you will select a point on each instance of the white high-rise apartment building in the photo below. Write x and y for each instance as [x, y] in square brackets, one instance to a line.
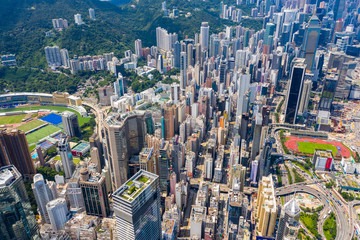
[183, 70]
[58, 213]
[66, 157]
[243, 83]
[43, 195]
[305, 96]
[228, 32]
[71, 123]
[204, 35]
[78, 19]
[138, 48]
[209, 166]
[74, 194]
[240, 59]
[163, 6]
[59, 24]
[92, 14]
[164, 40]
[65, 60]
[53, 56]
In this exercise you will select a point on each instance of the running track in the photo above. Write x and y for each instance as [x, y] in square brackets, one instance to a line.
[291, 143]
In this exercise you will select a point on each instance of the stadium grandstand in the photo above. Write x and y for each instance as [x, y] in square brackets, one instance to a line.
[13, 99]
[10, 100]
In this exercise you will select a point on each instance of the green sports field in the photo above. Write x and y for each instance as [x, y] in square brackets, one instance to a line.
[34, 137]
[82, 120]
[31, 125]
[11, 119]
[32, 147]
[309, 147]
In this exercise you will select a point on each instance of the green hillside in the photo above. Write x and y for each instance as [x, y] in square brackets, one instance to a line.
[24, 23]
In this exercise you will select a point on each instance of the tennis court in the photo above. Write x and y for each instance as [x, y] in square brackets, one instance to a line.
[46, 145]
[58, 136]
[31, 125]
[41, 133]
[80, 147]
[52, 118]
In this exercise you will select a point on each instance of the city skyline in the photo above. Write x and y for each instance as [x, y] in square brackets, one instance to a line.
[180, 120]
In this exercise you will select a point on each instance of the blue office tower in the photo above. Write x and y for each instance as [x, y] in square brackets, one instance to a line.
[119, 86]
[311, 40]
[177, 50]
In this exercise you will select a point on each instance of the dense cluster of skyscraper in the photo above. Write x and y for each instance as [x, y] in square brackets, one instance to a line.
[192, 149]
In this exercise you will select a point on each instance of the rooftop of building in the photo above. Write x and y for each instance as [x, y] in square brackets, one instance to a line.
[213, 211]
[74, 97]
[118, 119]
[168, 226]
[68, 114]
[198, 209]
[332, 75]
[307, 133]
[63, 140]
[94, 178]
[219, 163]
[135, 185]
[56, 202]
[26, 94]
[82, 220]
[268, 190]
[323, 153]
[147, 151]
[300, 65]
[299, 60]
[8, 175]
[235, 199]
[211, 218]
[38, 177]
[292, 207]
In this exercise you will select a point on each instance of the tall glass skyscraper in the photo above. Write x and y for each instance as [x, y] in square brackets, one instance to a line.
[66, 157]
[137, 207]
[17, 221]
[294, 90]
[43, 195]
[71, 124]
[311, 40]
[204, 35]
[270, 30]
[183, 68]
[328, 93]
[177, 50]
[125, 137]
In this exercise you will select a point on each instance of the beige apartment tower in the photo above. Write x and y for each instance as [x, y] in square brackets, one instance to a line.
[266, 207]
[124, 137]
